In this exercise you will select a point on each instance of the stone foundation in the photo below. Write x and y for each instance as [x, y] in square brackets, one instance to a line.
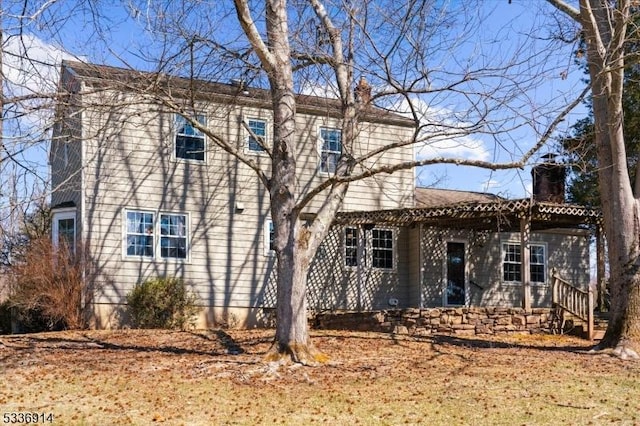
[422, 322]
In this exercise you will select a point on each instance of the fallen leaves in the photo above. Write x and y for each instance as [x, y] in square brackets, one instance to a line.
[220, 377]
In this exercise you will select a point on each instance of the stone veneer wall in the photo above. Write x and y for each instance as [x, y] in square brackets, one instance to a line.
[420, 322]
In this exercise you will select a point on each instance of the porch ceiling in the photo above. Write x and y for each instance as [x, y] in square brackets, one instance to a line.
[499, 215]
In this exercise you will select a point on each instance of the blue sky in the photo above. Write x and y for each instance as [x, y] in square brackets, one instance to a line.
[511, 23]
[508, 26]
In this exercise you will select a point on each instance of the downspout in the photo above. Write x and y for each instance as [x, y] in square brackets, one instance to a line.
[82, 219]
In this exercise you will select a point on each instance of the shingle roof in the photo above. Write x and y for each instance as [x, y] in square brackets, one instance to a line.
[434, 197]
[132, 80]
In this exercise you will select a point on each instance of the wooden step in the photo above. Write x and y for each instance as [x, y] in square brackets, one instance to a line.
[600, 324]
[598, 334]
[578, 327]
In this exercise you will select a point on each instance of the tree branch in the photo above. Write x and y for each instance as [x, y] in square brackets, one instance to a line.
[250, 29]
[389, 169]
[565, 7]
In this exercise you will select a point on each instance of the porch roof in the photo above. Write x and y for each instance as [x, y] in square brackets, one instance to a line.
[499, 215]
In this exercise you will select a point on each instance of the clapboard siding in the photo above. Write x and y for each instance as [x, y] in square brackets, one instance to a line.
[129, 165]
[567, 251]
[332, 285]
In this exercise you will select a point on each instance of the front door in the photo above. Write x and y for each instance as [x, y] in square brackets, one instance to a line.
[455, 275]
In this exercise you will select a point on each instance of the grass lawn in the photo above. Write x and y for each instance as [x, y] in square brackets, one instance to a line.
[217, 377]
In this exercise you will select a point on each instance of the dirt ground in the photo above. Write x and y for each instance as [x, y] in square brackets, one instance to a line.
[219, 377]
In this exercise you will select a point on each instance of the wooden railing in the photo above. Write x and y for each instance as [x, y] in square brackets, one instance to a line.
[573, 300]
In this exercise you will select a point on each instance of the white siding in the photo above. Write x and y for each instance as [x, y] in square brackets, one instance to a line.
[567, 251]
[129, 165]
[333, 286]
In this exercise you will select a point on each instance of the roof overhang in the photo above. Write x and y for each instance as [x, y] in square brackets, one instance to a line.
[499, 215]
[158, 85]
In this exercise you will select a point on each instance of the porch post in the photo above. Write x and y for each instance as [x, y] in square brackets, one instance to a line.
[600, 266]
[525, 270]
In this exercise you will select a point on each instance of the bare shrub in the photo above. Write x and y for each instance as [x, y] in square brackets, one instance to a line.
[48, 281]
[163, 302]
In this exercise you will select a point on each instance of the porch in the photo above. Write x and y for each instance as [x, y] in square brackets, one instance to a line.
[467, 267]
[427, 238]
[572, 310]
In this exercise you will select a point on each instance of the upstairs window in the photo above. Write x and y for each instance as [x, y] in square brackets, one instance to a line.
[189, 141]
[330, 149]
[259, 129]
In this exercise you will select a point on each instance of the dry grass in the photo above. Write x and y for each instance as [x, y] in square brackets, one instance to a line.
[217, 377]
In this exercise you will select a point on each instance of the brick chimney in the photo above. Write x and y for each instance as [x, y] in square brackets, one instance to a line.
[549, 180]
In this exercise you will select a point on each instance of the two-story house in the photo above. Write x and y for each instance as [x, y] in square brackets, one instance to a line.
[140, 193]
[143, 193]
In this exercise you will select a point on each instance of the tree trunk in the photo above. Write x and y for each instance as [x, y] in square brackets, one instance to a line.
[296, 243]
[623, 332]
[292, 335]
[604, 32]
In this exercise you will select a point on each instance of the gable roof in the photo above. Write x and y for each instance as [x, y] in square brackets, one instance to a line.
[105, 77]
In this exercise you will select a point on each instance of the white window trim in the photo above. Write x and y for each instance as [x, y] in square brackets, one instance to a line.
[502, 261]
[319, 145]
[394, 248]
[125, 234]
[157, 257]
[266, 238]
[365, 248]
[174, 134]
[247, 135]
[519, 283]
[187, 244]
[62, 214]
[546, 265]
[359, 248]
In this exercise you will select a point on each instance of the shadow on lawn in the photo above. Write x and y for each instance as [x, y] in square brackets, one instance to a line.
[462, 342]
[232, 346]
[222, 344]
[445, 339]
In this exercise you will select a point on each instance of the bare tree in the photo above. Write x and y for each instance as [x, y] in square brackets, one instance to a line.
[412, 58]
[606, 26]
[28, 94]
[422, 59]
